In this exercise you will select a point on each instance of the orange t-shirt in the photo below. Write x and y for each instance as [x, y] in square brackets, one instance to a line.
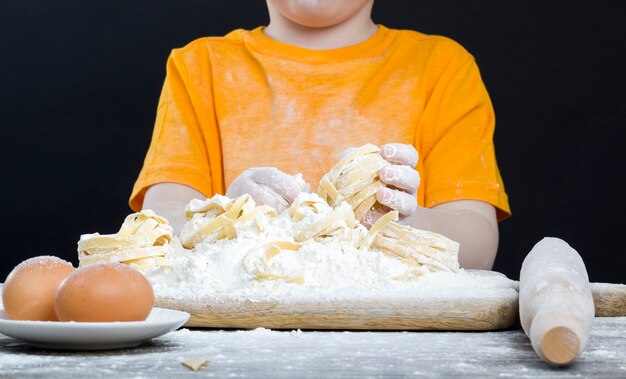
[245, 100]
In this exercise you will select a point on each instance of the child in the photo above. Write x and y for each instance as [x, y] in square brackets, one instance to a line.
[320, 78]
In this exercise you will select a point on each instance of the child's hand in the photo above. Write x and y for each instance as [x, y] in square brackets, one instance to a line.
[401, 176]
[266, 186]
[402, 182]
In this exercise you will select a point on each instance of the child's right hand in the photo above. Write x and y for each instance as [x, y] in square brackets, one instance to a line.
[266, 186]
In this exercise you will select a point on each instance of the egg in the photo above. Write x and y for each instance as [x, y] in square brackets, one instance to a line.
[28, 292]
[104, 292]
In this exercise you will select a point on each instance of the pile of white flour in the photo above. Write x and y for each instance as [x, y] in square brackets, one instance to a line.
[331, 268]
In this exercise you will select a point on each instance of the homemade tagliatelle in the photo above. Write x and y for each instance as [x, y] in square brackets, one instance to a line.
[315, 219]
[216, 218]
[257, 261]
[286, 247]
[420, 250]
[142, 242]
[354, 179]
[426, 251]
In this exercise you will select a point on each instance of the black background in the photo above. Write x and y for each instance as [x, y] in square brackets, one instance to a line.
[80, 80]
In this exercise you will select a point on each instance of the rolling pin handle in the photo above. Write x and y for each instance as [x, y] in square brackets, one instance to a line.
[555, 301]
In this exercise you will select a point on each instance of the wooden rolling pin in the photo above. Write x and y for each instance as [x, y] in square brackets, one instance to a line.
[609, 299]
[555, 301]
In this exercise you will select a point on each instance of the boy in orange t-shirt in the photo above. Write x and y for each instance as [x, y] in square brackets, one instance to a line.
[319, 79]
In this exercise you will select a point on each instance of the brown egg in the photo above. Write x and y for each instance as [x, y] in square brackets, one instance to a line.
[104, 292]
[28, 292]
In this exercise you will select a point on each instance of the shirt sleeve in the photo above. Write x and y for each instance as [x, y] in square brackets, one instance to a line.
[177, 152]
[459, 160]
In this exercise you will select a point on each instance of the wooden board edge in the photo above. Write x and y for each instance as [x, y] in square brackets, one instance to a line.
[366, 314]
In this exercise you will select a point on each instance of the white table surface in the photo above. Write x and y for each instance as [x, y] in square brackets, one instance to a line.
[263, 353]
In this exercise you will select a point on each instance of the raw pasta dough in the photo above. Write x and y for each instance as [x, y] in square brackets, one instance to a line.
[420, 250]
[344, 196]
[142, 242]
[424, 250]
[216, 218]
[354, 179]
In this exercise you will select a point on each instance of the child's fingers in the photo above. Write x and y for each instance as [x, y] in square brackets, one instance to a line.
[397, 200]
[402, 177]
[283, 184]
[400, 153]
[263, 195]
[373, 215]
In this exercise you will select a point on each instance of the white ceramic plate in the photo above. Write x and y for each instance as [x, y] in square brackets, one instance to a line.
[93, 335]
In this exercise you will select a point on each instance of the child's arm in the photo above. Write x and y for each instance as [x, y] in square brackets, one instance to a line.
[266, 185]
[472, 223]
[169, 200]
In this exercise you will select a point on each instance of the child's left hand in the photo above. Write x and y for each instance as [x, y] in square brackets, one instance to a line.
[402, 182]
[401, 176]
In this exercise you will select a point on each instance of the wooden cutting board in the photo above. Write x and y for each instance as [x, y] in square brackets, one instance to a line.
[492, 310]
[371, 313]
[450, 308]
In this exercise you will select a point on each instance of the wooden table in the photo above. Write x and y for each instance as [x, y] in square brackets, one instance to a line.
[263, 353]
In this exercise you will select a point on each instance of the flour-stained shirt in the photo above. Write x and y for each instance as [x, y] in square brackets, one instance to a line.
[245, 100]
